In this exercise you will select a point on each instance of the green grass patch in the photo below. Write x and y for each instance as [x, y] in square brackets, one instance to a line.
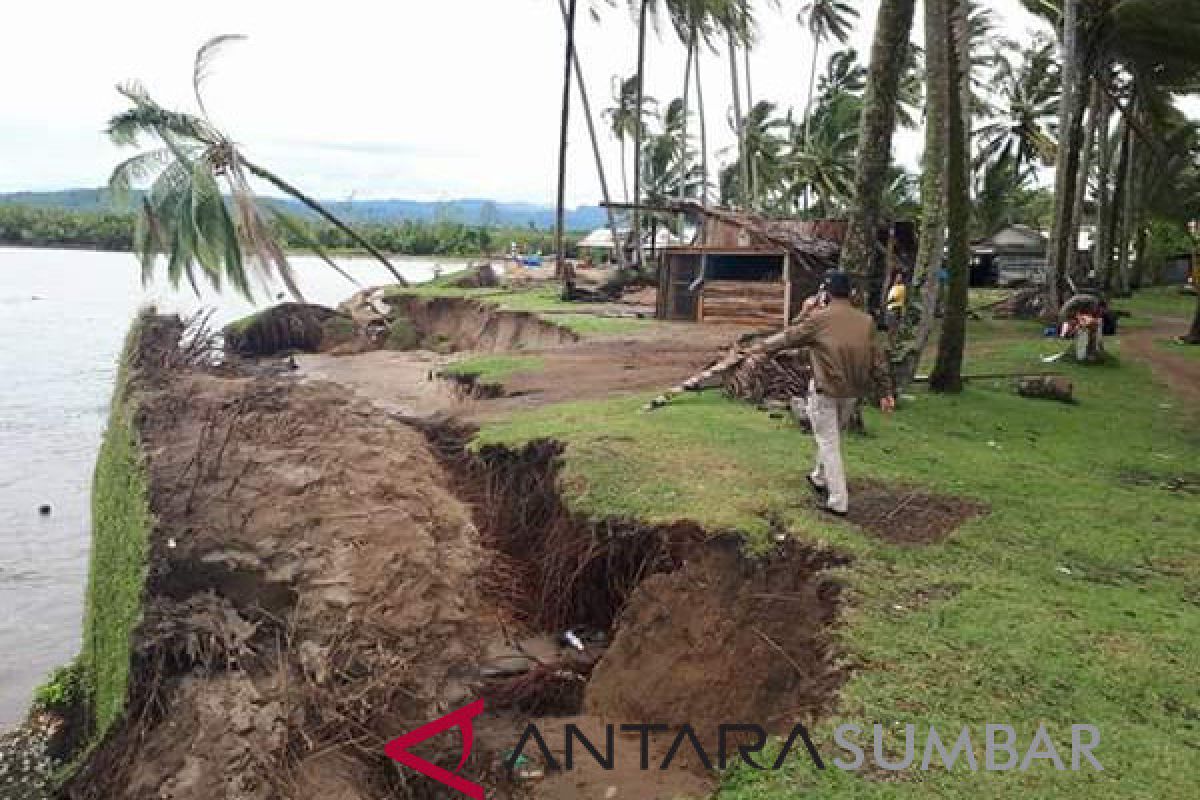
[121, 524]
[1179, 348]
[1162, 301]
[593, 325]
[1072, 601]
[494, 368]
[545, 301]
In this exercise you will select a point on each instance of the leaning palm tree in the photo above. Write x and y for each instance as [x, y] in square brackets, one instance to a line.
[825, 20]
[888, 61]
[185, 216]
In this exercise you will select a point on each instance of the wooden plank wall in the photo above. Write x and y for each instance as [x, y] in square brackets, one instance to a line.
[743, 303]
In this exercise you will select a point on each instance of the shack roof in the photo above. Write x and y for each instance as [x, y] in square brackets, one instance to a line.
[814, 246]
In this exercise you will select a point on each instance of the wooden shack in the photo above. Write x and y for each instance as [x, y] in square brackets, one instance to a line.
[752, 270]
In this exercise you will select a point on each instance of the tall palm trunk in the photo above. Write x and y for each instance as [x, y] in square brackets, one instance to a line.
[875, 143]
[624, 170]
[1115, 207]
[962, 30]
[754, 187]
[1105, 222]
[687, 90]
[586, 102]
[740, 122]
[560, 210]
[947, 372]
[1193, 336]
[703, 132]
[637, 134]
[812, 86]
[918, 324]
[1064, 183]
[808, 105]
[1095, 109]
[287, 188]
[1128, 214]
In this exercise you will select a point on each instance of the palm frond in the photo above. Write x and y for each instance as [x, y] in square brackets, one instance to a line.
[135, 170]
[204, 60]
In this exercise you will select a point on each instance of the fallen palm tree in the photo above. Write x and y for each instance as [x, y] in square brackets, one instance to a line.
[749, 371]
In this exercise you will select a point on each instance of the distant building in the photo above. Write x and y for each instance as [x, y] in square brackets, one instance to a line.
[599, 243]
[1009, 257]
[750, 269]
[1016, 255]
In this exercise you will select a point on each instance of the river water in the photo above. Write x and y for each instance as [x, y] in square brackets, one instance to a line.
[63, 317]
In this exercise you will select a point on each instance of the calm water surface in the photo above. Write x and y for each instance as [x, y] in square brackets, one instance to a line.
[63, 316]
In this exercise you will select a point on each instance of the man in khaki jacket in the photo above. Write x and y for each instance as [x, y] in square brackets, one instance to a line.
[847, 364]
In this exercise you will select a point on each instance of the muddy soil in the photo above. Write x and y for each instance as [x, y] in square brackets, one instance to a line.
[908, 515]
[599, 368]
[725, 640]
[324, 577]
[403, 383]
[463, 324]
[311, 592]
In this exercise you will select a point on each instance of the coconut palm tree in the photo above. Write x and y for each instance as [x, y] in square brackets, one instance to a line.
[825, 20]
[736, 19]
[695, 23]
[918, 323]
[625, 120]
[947, 370]
[888, 58]
[564, 129]
[1020, 130]
[185, 217]
[645, 10]
[820, 165]
[589, 117]
[763, 150]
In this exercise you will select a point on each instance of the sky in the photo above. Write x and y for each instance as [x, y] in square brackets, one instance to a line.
[371, 99]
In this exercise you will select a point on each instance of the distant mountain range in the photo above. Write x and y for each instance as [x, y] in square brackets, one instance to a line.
[470, 211]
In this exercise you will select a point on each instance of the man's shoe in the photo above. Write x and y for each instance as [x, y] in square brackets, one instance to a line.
[816, 487]
[830, 510]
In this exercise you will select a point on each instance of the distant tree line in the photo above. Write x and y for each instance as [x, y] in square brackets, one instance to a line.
[113, 230]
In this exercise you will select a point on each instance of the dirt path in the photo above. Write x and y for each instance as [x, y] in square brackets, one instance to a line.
[1180, 373]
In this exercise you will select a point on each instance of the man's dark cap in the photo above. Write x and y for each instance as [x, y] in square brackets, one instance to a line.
[838, 284]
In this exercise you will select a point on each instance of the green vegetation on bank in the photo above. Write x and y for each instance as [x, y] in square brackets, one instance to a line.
[1071, 601]
[121, 524]
[493, 368]
[114, 230]
[545, 301]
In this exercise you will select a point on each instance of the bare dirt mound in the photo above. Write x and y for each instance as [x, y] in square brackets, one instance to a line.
[311, 592]
[289, 327]
[464, 324]
[725, 639]
[907, 514]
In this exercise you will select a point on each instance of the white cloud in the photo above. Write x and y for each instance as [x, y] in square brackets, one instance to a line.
[380, 99]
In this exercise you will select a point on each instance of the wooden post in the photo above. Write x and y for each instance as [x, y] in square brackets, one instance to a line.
[787, 289]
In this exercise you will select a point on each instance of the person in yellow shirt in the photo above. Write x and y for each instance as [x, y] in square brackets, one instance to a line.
[897, 299]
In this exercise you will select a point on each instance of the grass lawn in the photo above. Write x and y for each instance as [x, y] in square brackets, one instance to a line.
[1073, 601]
[1161, 301]
[493, 368]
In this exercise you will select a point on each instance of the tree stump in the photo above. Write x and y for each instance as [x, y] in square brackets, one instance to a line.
[1047, 387]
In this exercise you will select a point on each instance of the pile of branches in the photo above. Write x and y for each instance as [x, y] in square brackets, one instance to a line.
[761, 379]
